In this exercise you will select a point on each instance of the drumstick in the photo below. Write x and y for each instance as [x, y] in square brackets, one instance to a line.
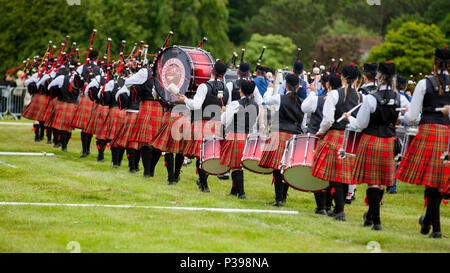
[400, 109]
[439, 109]
[349, 112]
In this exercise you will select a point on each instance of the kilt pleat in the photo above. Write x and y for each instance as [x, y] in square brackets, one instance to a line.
[422, 164]
[101, 119]
[40, 116]
[64, 116]
[51, 112]
[148, 123]
[32, 109]
[200, 129]
[327, 165]
[90, 125]
[274, 150]
[116, 118]
[84, 109]
[374, 162]
[233, 149]
[121, 139]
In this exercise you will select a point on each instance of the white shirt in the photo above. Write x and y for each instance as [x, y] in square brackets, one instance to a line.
[137, 79]
[58, 81]
[368, 107]
[271, 99]
[34, 78]
[329, 108]
[257, 96]
[95, 82]
[412, 117]
[309, 105]
[109, 86]
[227, 116]
[199, 97]
[122, 90]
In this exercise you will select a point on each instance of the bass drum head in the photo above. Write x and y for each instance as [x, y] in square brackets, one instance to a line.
[213, 167]
[252, 165]
[172, 67]
[300, 178]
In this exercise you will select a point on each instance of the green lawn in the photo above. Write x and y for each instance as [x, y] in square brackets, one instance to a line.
[68, 179]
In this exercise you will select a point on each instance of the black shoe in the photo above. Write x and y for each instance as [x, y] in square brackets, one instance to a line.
[424, 229]
[377, 227]
[224, 176]
[348, 201]
[339, 216]
[331, 213]
[206, 188]
[367, 222]
[199, 185]
[49, 142]
[57, 145]
[100, 160]
[277, 204]
[83, 155]
[435, 235]
[392, 192]
[133, 170]
[115, 166]
[146, 175]
[241, 196]
[321, 211]
[169, 183]
[176, 179]
[284, 200]
[64, 149]
[37, 140]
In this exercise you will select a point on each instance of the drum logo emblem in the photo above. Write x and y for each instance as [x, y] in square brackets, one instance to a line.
[173, 72]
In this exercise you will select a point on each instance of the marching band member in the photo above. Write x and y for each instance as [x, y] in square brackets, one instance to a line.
[288, 123]
[210, 95]
[115, 118]
[244, 74]
[375, 163]
[67, 98]
[42, 85]
[149, 119]
[422, 164]
[313, 105]
[370, 85]
[326, 165]
[239, 118]
[85, 106]
[33, 108]
[304, 86]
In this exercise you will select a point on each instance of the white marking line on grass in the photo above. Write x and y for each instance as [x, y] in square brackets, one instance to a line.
[9, 165]
[27, 154]
[152, 207]
[15, 123]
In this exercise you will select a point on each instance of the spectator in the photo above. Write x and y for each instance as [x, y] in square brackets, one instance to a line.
[18, 94]
[5, 86]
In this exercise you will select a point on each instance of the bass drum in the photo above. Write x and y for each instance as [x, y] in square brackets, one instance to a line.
[185, 67]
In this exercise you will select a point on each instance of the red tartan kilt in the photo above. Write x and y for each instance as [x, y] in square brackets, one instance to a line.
[374, 163]
[148, 123]
[32, 109]
[200, 129]
[274, 150]
[64, 116]
[121, 139]
[40, 116]
[51, 112]
[101, 119]
[327, 165]
[90, 129]
[422, 164]
[84, 110]
[232, 150]
[116, 118]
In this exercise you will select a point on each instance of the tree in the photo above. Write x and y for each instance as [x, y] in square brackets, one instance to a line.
[398, 21]
[280, 50]
[300, 20]
[411, 48]
[346, 47]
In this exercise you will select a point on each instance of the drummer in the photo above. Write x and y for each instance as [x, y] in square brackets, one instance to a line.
[313, 105]
[211, 95]
[422, 164]
[375, 163]
[239, 118]
[288, 123]
[326, 165]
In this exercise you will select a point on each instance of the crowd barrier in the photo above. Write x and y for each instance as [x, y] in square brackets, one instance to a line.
[12, 101]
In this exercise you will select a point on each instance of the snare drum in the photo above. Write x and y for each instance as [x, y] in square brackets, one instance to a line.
[185, 67]
[297, 161]
[253, 150]
[350, 145]
[210, 156]
[410, 133]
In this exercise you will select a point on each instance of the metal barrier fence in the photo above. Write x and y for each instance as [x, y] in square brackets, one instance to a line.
[12, 101]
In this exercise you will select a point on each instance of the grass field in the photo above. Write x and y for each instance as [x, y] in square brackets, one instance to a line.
[68, 179]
